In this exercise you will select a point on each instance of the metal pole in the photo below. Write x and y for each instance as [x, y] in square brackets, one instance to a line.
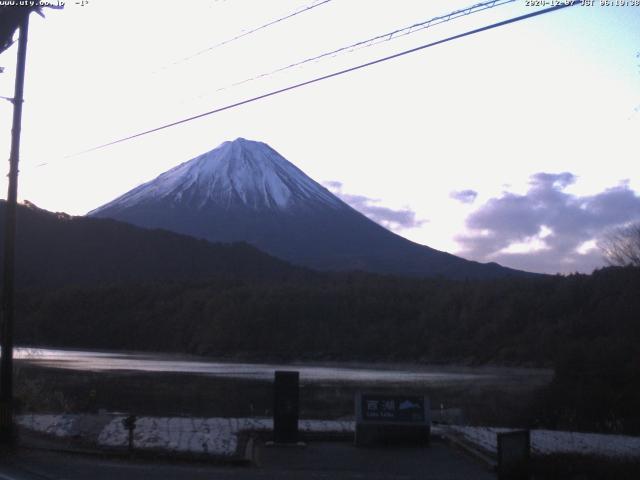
[7, 310]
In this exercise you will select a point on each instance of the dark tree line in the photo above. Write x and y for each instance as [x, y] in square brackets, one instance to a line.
[347, 316]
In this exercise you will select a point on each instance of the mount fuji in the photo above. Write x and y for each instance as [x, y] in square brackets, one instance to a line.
[246, 191]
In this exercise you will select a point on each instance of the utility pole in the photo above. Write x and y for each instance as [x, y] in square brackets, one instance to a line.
[7, 433]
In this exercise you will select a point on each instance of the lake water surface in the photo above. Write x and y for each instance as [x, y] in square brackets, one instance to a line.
[94, 361]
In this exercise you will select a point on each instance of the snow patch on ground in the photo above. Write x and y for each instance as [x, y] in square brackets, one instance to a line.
[208, 436]
[215, 436]
[219, 436]
[57, 425]
[546, 442]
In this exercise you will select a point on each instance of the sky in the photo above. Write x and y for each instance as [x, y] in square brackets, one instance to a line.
[516, 145]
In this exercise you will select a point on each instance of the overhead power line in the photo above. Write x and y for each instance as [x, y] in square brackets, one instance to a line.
[332, 75]
[253, 30]
[385, 37]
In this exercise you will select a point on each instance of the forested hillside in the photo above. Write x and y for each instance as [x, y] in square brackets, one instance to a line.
[55, 249]
[348, 316]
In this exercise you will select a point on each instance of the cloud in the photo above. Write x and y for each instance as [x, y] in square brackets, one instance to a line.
[548, 229]
[333, 185]
[464, 196]
[387, 217]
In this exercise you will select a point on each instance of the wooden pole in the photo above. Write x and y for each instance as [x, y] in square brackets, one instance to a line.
[8, 276]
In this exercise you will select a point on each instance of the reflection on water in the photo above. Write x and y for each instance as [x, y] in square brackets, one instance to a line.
[116, 361]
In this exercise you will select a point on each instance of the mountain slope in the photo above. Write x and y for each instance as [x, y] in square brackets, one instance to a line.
[245, 191]
[54, 249]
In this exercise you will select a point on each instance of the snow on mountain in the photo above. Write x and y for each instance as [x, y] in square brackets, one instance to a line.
[241, 172]
[246, 191]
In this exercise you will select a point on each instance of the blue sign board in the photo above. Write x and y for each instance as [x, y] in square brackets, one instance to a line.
[392, 408]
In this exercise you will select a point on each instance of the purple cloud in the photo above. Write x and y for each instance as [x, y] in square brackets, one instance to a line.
[559, 221]
[387, 217]
[464, 196]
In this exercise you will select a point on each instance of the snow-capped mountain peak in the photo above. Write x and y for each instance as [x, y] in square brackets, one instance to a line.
[246, 191]
[237, 173]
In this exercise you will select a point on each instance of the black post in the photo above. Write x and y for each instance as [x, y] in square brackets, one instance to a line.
[129, 423]
[7, 310]
[286, 407]
[514, 455]
[131, 441]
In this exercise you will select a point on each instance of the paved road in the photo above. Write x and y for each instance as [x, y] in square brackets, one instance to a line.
[319, 460]
[342, 460]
